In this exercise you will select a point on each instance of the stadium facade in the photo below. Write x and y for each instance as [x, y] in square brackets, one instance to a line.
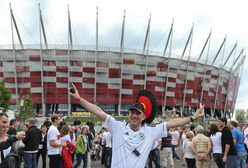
[112, 77]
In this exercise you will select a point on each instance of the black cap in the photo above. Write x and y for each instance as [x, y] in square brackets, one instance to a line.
[138, 107]
[223, 119]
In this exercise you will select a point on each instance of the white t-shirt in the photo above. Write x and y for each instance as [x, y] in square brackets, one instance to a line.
[53, 134]
[125, 141]
[175, 137]
[188, 152]
[216, 142]
[64, 139]
[107, 139]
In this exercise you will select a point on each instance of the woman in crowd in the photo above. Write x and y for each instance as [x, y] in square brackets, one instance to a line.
[188, 153]
[82, 148]
[67, 151]
[42, 147]
[215, 137]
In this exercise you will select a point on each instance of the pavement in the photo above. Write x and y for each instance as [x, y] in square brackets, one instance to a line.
[97, 163]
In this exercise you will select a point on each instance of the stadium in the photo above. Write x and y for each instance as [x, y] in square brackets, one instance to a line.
[112, 76]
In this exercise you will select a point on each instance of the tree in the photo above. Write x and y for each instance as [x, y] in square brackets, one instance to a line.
[5, 96]
[241, 115]
[27, 111]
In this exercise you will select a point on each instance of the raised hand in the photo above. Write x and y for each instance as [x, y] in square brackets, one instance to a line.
[74, 92]
[199, 112]
[20, 135]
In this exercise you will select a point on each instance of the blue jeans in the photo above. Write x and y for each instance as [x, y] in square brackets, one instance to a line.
[29, 160]
[241, 159]
[154, 156]
[174, 152]
[230, 161]
[81, 157]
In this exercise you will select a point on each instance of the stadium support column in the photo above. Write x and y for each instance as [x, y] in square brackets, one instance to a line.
[169, 39]
[70, 44]
[121, 49]
[14, 57]
[185, 48]
[96, 52]
[42, 30]
[205, 67]
[219, 76]
[187, 70]
[147, 40]
[217, 54]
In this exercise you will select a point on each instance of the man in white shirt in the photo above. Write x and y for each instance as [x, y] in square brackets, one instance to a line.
[53, 143]
[133, 141]
[107, 139]
[175, 139]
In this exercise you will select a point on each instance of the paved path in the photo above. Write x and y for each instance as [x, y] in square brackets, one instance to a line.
[97, 164]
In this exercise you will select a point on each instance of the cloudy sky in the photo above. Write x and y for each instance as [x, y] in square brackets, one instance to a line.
[223, 17]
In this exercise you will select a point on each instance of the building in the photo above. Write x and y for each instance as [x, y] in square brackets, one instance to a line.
[103, 76]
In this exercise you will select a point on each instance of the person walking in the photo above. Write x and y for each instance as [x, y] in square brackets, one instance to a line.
[42, 147]
[166, 151]
[188, 152]
[82, 148]
[31, 141]
[53, 143]
[107, 139]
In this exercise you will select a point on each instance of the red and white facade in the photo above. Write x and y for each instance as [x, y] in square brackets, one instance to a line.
[109, 78]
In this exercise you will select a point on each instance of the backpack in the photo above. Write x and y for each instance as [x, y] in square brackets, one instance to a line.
[12, 160]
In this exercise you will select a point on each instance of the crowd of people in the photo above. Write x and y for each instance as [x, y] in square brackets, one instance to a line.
[124, 144]
[222, 142]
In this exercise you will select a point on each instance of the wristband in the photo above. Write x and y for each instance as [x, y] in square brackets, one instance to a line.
[191, 119]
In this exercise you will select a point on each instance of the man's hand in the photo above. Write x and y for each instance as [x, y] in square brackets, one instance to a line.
[76, 94]
[224, 159]
[199, 112]
[20, 135]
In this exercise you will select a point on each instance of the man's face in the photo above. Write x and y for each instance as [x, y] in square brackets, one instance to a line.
[58, 121]
[4, 125]
[73, 128]
[16, 123]
[136, 117]
[43, 129]
[221, 124]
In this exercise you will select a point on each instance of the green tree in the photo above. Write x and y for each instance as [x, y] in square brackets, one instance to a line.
[5, 96]
[241, 115]
[27, 111]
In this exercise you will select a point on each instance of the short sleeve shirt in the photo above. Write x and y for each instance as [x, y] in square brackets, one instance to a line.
[239, 137]
[226, 138]
[126, 141]
[53, 134]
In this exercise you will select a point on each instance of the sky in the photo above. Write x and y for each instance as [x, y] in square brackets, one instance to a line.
[224, 18]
